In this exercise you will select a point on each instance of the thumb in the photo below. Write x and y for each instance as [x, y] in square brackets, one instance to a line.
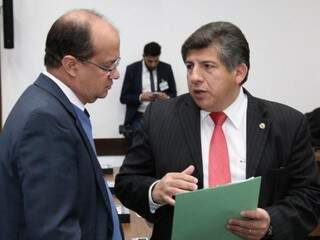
[189, 170]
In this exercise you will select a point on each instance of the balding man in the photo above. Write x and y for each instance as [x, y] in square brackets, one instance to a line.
[51, 185]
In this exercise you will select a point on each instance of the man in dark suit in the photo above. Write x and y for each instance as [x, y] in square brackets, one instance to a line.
[51, 186]
[314, 126]
[144, 82]
[177, 149]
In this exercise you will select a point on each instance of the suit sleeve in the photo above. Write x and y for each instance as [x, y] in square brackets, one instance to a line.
[128, 94]
[137, 174]
[296, 215]
[47, 167]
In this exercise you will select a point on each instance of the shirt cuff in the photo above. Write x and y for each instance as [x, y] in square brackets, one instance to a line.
[152, 205]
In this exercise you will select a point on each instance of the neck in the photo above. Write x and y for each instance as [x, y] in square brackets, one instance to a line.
[232, 96]
[68, 81]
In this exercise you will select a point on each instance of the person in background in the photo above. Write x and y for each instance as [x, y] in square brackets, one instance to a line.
[51, 186]
[144, 82]
[314, 127]
[219, 133]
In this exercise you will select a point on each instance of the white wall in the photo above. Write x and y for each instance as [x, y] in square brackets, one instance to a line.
[284, 37]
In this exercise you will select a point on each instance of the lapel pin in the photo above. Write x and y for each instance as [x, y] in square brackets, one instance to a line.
[262, 125]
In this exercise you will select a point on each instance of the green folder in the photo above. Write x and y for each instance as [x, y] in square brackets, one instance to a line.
[203, 214]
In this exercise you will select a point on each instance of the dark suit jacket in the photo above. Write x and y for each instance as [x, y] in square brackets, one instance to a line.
[132, 86]
[280, 153]
[314, 126]
[51, 186]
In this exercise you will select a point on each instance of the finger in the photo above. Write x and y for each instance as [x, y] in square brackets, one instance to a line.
[181, 184]
[169, 200]
[179, 180]
[251, 227]
[189, 170]
[247, 224]
[187, 174]
[245, 233]
[253, 214]
[176, 191]
[183, 177]
[260, 217]
[179, 191]
[168, 195]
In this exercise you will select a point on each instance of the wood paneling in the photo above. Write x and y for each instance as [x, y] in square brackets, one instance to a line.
[138, 226]
[111, 146]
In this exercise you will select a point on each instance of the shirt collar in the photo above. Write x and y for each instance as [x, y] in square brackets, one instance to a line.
[235, 111]
[66, 90]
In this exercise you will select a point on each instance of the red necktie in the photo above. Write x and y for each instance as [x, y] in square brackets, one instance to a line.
[219, 169]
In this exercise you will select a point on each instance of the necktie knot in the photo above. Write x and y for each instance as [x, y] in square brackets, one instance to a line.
[218, 117]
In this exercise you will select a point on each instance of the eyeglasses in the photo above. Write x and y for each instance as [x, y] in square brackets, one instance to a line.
[108, 70]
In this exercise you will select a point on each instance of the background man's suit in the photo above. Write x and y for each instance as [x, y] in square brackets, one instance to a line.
[50, 172]
[280, 153]
[314, 126]
[132, 86]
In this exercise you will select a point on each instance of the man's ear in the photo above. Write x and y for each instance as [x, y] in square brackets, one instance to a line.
[241, 72]
[70, 65]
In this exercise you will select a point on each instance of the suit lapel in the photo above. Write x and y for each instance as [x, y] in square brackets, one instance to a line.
[189, 117]
[48, 85]
[96, 165]
[258, 127]
[139, 77]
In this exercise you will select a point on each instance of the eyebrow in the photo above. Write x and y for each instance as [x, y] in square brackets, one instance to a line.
[203, 62]
[211, 62]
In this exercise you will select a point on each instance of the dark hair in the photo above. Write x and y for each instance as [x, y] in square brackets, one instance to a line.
[69, 36]
[152, 49]
[229, 41]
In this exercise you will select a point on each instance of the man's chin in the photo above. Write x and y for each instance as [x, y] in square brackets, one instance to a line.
[203, 105]
[104, 94]
[151, 69]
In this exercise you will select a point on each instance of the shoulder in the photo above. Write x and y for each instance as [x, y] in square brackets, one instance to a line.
[134, 65]
[37, 105]
[277, 112]
[163, 65]
[37, 113]
[314, 114]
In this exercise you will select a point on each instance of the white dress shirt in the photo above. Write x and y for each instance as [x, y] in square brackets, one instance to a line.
[146, 86]
[235, 130]
[66, 90]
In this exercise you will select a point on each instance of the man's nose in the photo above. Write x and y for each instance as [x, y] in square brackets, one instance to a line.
[195, 75]
[115, 74]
